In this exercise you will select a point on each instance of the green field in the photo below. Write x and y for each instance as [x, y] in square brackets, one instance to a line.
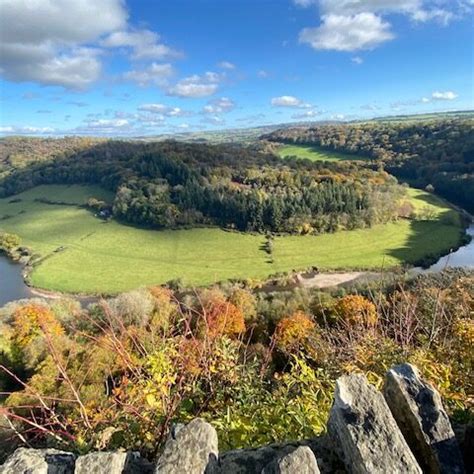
[314, 153]
[109, 257]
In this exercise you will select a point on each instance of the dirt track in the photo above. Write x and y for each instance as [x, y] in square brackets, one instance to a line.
[327, 280]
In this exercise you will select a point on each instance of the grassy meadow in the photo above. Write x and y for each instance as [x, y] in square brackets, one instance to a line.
[314, 153]
[82, 253]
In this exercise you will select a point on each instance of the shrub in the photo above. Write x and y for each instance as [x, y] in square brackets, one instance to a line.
[86, 380]
[134, 307]
[355, 310]
[292, 333]
[9, 242]
[245, 301]
[220, 316]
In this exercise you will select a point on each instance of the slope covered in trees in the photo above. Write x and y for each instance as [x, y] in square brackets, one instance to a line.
[437, 153]
[172, 184]
[18, 152]
[260, 367]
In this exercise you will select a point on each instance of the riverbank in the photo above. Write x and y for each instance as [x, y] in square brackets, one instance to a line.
[77, 253]
[14, 285]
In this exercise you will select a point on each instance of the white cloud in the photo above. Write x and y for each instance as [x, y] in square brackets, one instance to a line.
[435, 97]
[196, 86]
[26, 130]
[357, 60]
[288, 101]
[151, 120]
[145, 44]
[155, 74]
[213, 120]
[417, 10]
[43, 41]
[353, 7]
[75, 68]
[226, 65]
[438, 14]
[306, 115]
[219, 106]
[111, 127]
[347, 33]
[164, 110]
[110, 123]
[60, 42]
[262, 74]
[446, 95]
[362, 23]
[64, 21]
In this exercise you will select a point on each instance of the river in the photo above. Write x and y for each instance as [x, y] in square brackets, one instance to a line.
[12, 286]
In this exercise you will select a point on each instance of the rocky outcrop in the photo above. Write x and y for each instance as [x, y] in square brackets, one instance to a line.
[39, 461]
[112, 463]
[367, 434]
[365, 431]
[419, 413]
[192, 449]
[301, 461]
[266, 459]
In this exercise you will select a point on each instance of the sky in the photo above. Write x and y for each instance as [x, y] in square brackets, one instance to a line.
[151, 67]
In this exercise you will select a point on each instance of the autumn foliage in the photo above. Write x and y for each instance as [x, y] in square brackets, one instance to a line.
[32, 320]
[259, 367]
[294, 331]
[356, 310]
[221, 317]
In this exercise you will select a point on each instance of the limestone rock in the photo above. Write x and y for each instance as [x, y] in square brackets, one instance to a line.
[39, 461]
[191, 450]
[112, 463]
[299, 461]
[365, 431]
[258, 460]
[418, 410]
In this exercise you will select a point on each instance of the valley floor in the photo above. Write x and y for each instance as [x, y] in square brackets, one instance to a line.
[83, 254]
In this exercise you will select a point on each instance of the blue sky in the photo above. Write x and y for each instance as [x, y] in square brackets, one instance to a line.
[143, 67]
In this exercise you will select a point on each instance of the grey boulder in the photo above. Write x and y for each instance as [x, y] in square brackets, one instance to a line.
[365, 432]
[193, 449]
[112, 463]
[418, 410]
[299, 461]
[39, 461]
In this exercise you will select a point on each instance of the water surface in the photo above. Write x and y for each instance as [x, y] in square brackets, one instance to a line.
[12, 286]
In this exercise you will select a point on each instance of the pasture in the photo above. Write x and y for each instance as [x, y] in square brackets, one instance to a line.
[314, 153]
[83, 254]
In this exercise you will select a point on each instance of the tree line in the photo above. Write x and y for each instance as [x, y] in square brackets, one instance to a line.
[169, 184]
[437, 153]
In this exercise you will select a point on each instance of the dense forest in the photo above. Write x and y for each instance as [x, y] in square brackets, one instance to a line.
[170, 184]
[18, 152]
[439, 154]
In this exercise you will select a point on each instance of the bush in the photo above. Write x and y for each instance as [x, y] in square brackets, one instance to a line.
[86, 380]
[355, 310]
[292, 333]
[133, 308]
